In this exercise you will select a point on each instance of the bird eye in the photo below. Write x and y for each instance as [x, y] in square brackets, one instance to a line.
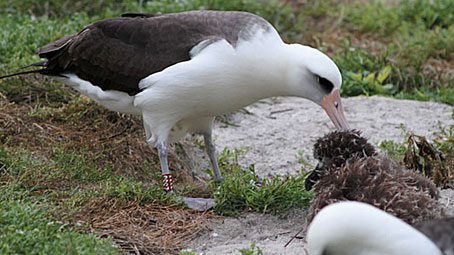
[326, 85]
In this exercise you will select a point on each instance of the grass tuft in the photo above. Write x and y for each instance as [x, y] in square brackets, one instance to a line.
[242, 190]
[253, 250]
[393, 149]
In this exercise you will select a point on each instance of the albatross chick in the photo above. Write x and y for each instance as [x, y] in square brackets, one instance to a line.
[363, 175]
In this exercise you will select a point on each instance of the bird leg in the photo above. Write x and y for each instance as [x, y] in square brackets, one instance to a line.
[166, 175]
[211, 151]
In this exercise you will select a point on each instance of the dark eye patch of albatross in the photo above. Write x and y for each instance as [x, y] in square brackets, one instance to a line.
[326, 85]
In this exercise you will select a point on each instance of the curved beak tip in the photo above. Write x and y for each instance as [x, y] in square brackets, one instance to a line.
[332, 105]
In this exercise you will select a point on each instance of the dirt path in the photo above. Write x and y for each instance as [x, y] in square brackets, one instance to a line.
[275, 132]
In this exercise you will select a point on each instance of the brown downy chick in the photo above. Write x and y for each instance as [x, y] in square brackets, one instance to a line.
[335, 149]
[380, 182]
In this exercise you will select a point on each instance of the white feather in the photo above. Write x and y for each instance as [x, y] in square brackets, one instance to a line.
[348, 228]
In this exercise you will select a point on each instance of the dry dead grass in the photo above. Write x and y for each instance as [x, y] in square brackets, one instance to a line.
[148, 229]
[422, 156]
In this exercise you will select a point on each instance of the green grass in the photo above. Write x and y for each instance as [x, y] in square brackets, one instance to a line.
[394, 150]
[133, 190]
[409, 34]
[188, 252]
[253, 250]
[68, 180]
[383, 19]
[25, 229]
[444, 138]
[61, 184]
[242, 190]
[71, 167]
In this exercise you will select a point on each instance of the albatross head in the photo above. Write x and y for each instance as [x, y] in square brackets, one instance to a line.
[348, 228]
[314, 76]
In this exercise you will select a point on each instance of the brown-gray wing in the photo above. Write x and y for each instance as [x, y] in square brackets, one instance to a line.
[115, 54]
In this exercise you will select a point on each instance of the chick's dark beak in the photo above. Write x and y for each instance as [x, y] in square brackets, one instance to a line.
[332, 105]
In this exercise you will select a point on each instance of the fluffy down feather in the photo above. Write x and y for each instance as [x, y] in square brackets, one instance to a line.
[335, 148]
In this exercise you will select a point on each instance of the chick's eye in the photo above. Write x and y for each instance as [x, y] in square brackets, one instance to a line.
[326, 85]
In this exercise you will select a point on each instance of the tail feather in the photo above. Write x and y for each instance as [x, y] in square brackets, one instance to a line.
[42, 64]
[41, 71]
[20, 73]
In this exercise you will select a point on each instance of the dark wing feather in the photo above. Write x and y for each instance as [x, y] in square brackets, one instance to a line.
[115, 54]
[142, 15]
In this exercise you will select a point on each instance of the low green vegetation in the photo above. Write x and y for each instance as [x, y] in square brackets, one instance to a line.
[66, 173]
[406, 49]
[67, 181]
[26, 229]
[188, 252]
[253, 250]
[393, 149]
[242, 190]
[133, 190]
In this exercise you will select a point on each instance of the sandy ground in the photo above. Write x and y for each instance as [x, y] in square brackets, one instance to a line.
[275, 133]
[277, 130]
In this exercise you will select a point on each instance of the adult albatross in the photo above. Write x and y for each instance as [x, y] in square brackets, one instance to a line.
[179, 70]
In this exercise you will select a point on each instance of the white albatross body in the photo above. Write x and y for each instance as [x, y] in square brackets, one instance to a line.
[354, 228]
[218, 79]
[222, 79]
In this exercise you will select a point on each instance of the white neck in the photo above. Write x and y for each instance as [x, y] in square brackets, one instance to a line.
[264, 63]
[274, 68]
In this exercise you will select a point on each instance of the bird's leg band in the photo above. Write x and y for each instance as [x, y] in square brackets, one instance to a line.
[166, 175]
[168, 182]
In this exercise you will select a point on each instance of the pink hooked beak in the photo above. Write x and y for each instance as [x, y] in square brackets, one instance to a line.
[333, 107]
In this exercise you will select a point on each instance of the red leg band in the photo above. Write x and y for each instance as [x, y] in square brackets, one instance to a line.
[168, 182]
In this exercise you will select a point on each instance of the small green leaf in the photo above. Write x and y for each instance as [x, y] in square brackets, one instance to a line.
[370, 78]
[384, 74]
